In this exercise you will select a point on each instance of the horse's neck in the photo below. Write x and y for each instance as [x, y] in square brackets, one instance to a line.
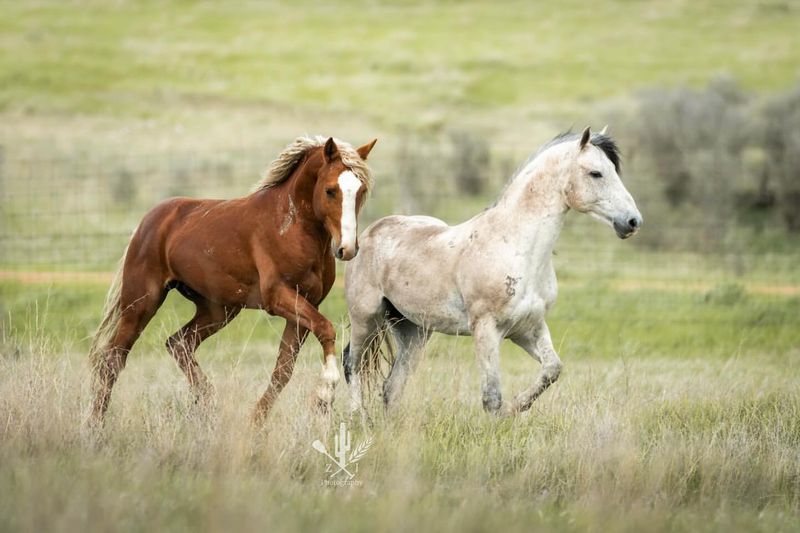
[292, 202]
[530, 212]
[300, 186]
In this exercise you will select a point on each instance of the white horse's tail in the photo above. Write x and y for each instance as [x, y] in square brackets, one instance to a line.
[112, 312]
[377, 358]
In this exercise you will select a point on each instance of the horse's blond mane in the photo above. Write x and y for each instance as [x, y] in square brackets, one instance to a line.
[283, 165]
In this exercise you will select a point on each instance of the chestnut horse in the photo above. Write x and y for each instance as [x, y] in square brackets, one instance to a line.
[273, 250]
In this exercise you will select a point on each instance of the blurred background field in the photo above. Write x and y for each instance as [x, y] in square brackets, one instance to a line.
[107, 108]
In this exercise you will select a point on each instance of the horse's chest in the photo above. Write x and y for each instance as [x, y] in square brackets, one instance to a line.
[313, 284]
[527, 298]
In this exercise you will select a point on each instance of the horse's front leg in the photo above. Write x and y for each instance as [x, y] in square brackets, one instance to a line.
[293, 337]
[487, 339]
[288, 304]
[539, 345]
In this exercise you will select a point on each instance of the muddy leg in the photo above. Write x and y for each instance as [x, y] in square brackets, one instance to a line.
[487, 351]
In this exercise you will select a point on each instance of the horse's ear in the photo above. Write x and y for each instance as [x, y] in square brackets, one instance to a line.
[330, 151]
[604, 130]
[364, 151]
[587, 133]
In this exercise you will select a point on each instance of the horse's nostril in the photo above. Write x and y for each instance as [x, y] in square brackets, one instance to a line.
[339, 253]
[633, 223]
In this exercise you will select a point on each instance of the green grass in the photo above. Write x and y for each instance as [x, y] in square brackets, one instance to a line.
[453, 57]
[677, 410]
[591, 320]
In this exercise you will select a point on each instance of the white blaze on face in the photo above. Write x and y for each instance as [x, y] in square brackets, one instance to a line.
[349, 184]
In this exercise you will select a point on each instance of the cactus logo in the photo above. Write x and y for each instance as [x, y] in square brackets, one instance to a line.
[341, 466]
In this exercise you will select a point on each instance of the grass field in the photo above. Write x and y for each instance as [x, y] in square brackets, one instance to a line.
[132, 57]
[678, 410]
[165, 72]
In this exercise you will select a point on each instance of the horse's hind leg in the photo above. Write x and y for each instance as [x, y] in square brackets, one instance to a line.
[367, 309]
[411, 340]
[136, 310]
[208, 319]
[364, 335]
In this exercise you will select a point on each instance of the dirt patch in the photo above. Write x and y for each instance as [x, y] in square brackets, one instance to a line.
[622, 286]
[56, 277]
[699, 286]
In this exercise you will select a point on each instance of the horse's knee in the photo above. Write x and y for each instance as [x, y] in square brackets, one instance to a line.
[552, 370]
[325, 333]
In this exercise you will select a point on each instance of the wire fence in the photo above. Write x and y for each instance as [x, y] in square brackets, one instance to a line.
[75, 214]
[67, 220]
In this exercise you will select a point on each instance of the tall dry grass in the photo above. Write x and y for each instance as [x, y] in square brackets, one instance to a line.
[630, 444]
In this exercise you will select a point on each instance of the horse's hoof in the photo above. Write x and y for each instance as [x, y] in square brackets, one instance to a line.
[324, 391]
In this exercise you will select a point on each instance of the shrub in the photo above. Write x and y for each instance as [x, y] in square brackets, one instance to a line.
[694, 140]
[720, 156]
[471, 159]
[781, 144]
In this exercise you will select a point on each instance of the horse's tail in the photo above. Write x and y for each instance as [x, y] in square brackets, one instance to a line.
[377, 358]
[112, 312]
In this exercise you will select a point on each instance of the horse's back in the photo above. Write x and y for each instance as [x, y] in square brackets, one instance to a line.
[149, 241]
[398, 239]
[411, 261]
[398, 227]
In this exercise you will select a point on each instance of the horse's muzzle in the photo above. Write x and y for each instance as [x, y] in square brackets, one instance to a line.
[346, 253]
[627, 226]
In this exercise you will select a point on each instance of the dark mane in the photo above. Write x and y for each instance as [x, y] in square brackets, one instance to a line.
[600, 140]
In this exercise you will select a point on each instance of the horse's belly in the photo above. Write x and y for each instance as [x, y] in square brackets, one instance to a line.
[441, 313]
[208, 269]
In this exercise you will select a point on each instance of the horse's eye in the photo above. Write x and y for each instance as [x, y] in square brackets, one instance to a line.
[596, 174]
[331, 193]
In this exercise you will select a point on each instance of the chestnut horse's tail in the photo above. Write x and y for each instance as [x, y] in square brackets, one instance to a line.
[112, 312]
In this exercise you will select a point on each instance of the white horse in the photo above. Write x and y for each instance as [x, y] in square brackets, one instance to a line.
[491, 277]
